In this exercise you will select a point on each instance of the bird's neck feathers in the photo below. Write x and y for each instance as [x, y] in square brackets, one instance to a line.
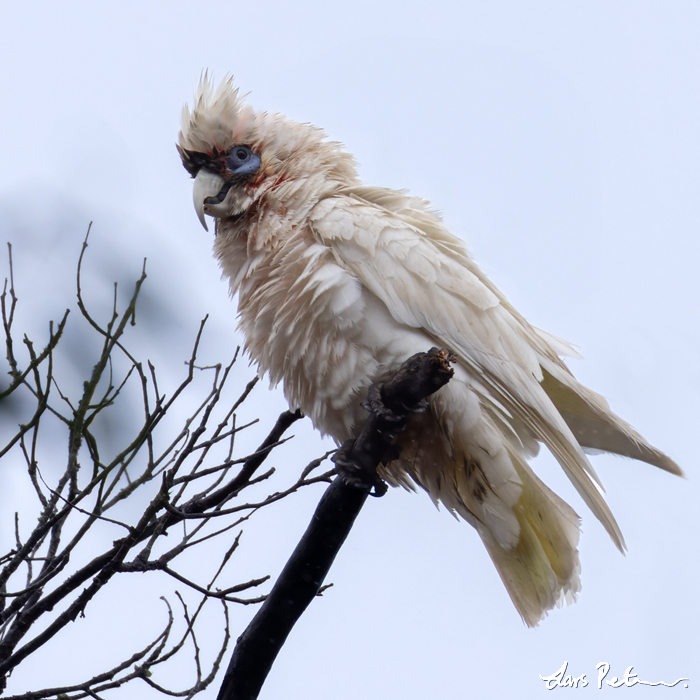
[300, 166]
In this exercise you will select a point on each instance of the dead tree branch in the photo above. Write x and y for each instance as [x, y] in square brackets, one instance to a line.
[178, 455]
[390, 402]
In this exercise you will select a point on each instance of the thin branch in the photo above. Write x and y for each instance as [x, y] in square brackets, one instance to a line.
[156, 645]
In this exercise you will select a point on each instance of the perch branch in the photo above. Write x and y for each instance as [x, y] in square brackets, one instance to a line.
[396, 395]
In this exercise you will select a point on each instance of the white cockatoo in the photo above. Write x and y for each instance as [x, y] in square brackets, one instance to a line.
[338, 281]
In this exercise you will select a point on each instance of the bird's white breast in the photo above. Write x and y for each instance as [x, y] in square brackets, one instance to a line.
[310, 324]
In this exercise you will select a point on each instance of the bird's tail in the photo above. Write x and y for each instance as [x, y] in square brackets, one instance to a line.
[529, 532]
[542, 570]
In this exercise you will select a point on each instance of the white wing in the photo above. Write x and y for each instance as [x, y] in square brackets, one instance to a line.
[403, 254]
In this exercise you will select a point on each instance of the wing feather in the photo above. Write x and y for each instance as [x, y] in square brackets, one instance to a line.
[404, 255]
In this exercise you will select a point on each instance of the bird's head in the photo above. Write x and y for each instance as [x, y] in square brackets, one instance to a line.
[220, 147]
[236, 155]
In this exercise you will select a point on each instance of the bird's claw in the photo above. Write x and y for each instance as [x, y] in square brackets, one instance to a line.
[352, 472]
[375, 404]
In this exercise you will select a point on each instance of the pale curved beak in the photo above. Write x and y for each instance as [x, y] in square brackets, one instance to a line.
[206, 184]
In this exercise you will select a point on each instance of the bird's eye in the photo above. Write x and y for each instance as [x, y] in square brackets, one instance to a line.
[242, 162]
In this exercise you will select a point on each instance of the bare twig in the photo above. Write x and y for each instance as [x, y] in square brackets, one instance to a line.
[189, 465]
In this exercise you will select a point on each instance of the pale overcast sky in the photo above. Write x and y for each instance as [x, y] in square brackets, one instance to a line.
[561, 140]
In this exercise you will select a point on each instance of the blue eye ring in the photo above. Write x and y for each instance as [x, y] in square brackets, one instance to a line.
[241, 161]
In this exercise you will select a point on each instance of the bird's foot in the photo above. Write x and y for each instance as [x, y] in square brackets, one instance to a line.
[375, 404]
[354, 470]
